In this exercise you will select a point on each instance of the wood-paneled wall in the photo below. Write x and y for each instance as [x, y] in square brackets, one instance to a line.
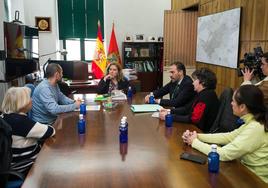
[178, 4]
[180, 37]
[253, 31]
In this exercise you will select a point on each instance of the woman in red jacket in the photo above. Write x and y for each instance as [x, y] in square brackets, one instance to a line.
[203, 110]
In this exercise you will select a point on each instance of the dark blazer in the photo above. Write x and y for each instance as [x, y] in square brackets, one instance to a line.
[204, 107]
[182, 96]
[103, 87]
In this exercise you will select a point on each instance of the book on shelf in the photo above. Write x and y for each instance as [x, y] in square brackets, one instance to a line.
[134, 52]
[150, 66]
[130, 74]
[144, 67]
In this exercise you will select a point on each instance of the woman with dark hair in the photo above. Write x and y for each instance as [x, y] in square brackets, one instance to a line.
[249, 143]
[113, 80]
[203, 110]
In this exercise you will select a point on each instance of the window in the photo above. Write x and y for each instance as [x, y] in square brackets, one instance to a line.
[73, 49]
[78, 26]
[35, 48]
[90, 49]
[80, 49]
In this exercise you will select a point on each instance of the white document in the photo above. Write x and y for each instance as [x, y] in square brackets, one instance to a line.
[118, 95]
[155, 114]
[91, 108]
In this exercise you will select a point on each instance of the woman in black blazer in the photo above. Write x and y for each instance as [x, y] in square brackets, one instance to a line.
[203, 110]
[113, 80]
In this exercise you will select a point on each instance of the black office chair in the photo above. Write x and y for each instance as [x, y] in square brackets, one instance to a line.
[225, 121]
[6, 157]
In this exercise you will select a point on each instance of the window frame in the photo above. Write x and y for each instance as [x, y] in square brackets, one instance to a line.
[82, 49]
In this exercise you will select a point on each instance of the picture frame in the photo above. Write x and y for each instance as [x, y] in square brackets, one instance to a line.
[139, 38]
[144, 52]
[152, 39]
[43, 24]
[128, 39]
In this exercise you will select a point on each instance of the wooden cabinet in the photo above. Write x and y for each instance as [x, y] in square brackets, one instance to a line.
[147, 59]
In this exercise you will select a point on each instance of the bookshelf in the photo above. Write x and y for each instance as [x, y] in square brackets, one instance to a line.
[147, 59]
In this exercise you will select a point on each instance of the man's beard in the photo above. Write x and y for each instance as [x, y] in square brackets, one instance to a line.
[59, 80]
[172, 80]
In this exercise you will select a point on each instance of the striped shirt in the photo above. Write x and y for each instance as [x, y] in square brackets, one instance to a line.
[27, 136]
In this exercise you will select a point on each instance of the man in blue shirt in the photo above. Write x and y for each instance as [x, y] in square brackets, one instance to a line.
[48, 100]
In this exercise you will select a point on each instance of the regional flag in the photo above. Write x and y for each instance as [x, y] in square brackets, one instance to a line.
[113, 52]
[99, 58]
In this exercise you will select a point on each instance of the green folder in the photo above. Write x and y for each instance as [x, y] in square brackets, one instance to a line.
[145, 107]
[100, 98]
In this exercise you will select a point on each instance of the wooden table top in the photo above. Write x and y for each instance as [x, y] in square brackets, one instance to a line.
[150, 159]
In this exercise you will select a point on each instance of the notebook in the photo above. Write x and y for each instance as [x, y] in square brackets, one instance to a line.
[145, 107]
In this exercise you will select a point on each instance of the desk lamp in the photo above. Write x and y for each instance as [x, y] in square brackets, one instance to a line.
[62, 52]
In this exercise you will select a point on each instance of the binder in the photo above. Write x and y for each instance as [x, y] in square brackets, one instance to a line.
[145, 107]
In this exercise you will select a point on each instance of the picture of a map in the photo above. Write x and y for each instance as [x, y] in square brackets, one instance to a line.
[218, 38]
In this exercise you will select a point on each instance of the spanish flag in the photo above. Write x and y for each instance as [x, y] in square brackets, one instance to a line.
[99, 60]
[113, 52]
[16, 53]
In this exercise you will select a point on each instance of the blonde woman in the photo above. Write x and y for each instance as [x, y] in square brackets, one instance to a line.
[26, 133]
[113, 80]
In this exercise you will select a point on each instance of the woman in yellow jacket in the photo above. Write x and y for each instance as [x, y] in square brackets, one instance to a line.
[249, 143]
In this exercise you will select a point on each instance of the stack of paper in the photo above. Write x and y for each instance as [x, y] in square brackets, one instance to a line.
[118, 95]
[155, 114]
[145, 107]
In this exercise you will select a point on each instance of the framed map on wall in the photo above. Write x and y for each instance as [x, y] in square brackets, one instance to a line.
[218, 38]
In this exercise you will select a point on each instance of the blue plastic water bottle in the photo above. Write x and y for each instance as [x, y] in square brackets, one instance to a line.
[81, 125]
[123, 136]
[129, 93]
[124, 118]
[83, 108]
[151, 98]
[168, 119]
[213, 160]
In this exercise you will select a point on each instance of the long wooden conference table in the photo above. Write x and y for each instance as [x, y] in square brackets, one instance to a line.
[150, 159]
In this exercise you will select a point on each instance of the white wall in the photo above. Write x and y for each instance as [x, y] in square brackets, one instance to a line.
[48, 41]
[134, 17]
[2, 18]
[17, 5]
[130, 17]
[14, 5]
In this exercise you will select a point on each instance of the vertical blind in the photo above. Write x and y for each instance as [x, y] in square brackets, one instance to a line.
[79, 18]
